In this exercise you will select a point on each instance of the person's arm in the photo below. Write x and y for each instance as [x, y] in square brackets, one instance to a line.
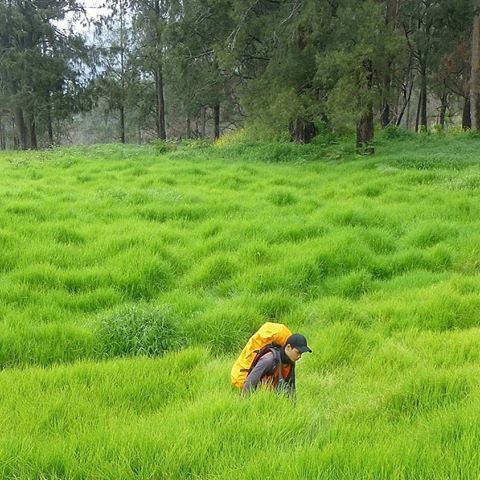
[264, 366]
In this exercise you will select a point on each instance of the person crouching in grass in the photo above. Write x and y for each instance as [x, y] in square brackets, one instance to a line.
[274, 366]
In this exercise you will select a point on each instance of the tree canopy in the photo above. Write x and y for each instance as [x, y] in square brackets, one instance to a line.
[197, 68]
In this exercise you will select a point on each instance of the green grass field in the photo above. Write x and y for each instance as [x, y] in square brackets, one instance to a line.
[132, 277]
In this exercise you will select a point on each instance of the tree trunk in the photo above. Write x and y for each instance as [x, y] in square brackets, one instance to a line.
[203, 121]
[216, 117]
[16, 145]
[407, 120]
[122, 124]
[406, 103]
[385, 116]
[391, 15]
[423, 105]
[122, 71]
[197, 130]
[189, 127]
[2, 135]
[32, 132]
[443, 110]
[408, 96]
[21, 129]
[475, 73]
[49, 127]
[158, 74]
[365, 123]
[466, 117]
[365, 133]
[302, 131]
[161, 131]
[419, 106]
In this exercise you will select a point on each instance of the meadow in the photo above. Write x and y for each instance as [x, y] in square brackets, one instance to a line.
[131, 277]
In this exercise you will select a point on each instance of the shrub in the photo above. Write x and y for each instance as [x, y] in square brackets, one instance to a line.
[280, 152]
[161, 146]
[232, 137]
[253, 133]
[393, 132]
[140, 330]
[195, 144]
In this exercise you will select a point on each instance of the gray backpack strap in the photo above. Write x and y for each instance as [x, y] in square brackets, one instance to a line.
[278, 364]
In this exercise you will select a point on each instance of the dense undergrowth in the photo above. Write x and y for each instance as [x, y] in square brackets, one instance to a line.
[179, 252]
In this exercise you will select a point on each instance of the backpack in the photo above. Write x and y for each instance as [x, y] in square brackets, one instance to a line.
[270, 334]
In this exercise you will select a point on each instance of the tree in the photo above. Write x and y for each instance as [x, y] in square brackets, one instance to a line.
[433, 28]
[117, 82]
[39, 64]
[451, 79]
[150, 19]
[195, 64]
[353, 66]
[475, 75]
[273, 48]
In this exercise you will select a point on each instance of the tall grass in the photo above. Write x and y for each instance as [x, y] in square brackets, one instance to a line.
[132, 276]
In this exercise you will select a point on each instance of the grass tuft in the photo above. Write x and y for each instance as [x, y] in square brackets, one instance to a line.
[282, 198]
[139, 330]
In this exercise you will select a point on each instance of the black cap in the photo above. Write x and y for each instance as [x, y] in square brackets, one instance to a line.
[298, 341]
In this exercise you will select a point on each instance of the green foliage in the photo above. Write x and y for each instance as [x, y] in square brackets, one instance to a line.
[40, 68]
[161, 146]
[360, 50]
[195, 144]
[396, 133]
